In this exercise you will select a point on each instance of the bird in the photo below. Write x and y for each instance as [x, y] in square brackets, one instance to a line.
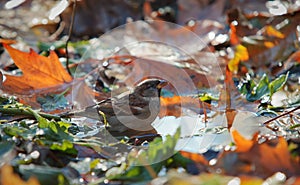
[131, 113]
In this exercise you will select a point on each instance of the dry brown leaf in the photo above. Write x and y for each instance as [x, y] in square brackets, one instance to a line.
[262, 160]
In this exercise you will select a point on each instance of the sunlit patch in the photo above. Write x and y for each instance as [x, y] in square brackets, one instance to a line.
[276, 7]
[213, 162]
[58, 9]
[35, 154]
[13, 3]
[235, 181]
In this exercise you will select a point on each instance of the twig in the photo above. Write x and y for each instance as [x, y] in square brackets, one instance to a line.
[281, 115]
[69, 36]
[23, 111]
[59, 30]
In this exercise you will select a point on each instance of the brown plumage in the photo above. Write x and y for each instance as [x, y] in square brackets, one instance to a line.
[132, 113]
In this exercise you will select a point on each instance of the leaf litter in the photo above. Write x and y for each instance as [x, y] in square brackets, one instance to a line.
[222, 140]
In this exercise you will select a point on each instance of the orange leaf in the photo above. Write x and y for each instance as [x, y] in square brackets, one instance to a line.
[172, 106]
[269, 44]
[242, 144]
[271, 31]
[250, 180]
[198, 158]
[259, 159]
[7, 41]
[234, 39]
[38, 71]
[8, 177]
[296, 56]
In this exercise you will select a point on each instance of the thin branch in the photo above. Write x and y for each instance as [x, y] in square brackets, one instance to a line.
[59, 30]
[69, 36]
[281, 115]
[20, 111]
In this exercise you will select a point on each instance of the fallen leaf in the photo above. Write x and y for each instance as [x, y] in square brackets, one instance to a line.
[46, 75]
[198, 158]
[234, 39]
[242, 144]
[241, 54]
[7, 41]
[272, 32]
[38, 72]
[172, 106]
[262, 160]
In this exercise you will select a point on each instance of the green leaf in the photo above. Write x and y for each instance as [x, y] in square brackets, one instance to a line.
[13, 130]
[278, 83]
[256, 91]
[45, 174]
[66, 146]
[259, 90]
[147, 163]
[5, 148]
[43, 122]
[3, 100]
[205, 97]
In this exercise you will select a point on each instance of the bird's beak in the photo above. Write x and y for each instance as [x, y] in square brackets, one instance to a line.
[161, 84]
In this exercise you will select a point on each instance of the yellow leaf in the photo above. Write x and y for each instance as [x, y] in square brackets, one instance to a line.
[233, 64]
[242, 52]
[271, 31]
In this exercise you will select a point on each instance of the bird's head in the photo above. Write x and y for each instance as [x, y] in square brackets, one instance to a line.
[150, 87]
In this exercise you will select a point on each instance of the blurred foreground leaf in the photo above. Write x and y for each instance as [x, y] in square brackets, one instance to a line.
[147, 163]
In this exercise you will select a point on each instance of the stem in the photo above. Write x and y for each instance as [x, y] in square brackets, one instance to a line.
[69, 36]
[281, 115]
[21, 111]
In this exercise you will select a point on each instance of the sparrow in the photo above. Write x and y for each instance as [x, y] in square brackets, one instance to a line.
[130, 113]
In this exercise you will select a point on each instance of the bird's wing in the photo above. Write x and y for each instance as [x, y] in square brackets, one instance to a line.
[122, 106]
